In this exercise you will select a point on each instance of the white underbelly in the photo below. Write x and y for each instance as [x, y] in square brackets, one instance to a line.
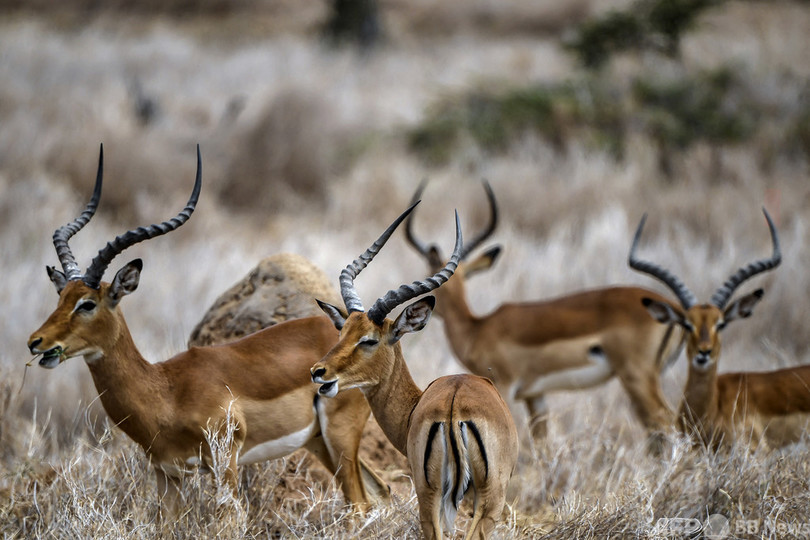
[596, 371]
[277, 448]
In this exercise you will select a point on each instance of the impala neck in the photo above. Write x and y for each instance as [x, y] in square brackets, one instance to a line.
[393, 400]
[459, 321]
[130, 388]
[699, 404]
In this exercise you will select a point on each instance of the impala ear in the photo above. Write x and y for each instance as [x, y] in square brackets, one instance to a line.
[125, 281]
[743, 307]
[664, 313]
[413, 318]
[58, 278]
[485, 261]
[335, 314]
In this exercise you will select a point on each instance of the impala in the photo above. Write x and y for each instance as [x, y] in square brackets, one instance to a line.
[260, 382]
[457, 435]
[769, 407]
[566, 343]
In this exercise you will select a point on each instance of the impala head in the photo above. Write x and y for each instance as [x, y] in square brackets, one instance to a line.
[87, 319]
[704, 322]
[466, 268]
[365, 351]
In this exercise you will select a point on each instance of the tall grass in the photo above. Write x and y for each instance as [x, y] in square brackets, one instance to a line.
[567, 220]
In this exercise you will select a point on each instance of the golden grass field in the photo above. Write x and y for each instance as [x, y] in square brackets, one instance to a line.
[304, 151]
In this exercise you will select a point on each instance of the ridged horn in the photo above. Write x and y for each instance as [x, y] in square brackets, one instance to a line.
[347, 290]
[469, 247]
[489, 229]
[94, 273]
[383, 306]
[63, 234]
[722, 295]
[423, 249]
[686, 297]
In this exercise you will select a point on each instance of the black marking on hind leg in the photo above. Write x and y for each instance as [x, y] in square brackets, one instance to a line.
[428, 447]
[479, 440]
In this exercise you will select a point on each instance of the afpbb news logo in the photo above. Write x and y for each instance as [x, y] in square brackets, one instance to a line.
[716, 527]
[770, 528]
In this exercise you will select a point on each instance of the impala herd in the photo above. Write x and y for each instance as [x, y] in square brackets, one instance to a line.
[312, 383]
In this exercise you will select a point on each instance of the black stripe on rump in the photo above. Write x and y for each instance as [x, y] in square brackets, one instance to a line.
[428, 447]
[477, 434]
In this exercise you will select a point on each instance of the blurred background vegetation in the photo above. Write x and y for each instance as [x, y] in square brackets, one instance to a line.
[317, 120]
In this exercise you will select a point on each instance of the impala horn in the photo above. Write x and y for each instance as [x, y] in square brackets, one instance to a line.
[64, 233]
[424, 250]
[94, 273]
[384, 305]
[722, 295]
[92, 277]
[686, 297]
[395, 297]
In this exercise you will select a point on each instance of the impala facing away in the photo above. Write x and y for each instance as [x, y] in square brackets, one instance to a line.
[261, 381]
[567, 343]
[457, 435]
[770, 407]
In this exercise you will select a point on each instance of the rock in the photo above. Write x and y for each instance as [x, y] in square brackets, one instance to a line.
[279, 288]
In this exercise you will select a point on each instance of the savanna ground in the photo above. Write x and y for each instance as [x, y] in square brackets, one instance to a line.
[313, 150]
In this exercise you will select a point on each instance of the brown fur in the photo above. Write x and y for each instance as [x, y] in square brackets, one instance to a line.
[406, 414]
[262, 379]
[771, 408]
[518, 344]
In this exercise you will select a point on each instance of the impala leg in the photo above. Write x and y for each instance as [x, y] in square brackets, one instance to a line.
[489, 487]
[488, 508]
[235, 441]
[538, 417]
[232, 474]
[478, 513]
[754, 430]
[373, 482]
[317, 447]
[647, 399]
[429, 501]
[169, 498]
[342, 420]
[351, 486]
[483, 527]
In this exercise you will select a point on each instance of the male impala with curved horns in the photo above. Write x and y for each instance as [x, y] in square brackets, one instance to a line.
[260, 382]
[772, 406]
[457, 435]
[567, 343]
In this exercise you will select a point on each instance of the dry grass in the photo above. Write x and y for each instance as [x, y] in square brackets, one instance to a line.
[567, 221]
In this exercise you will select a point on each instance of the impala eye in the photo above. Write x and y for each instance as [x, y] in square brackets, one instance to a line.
[86, 305]
[689, 327]
[368, 342]
[720, 325]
